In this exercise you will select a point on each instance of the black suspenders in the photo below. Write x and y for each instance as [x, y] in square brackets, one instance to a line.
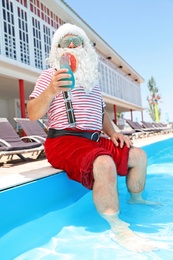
[69, 108]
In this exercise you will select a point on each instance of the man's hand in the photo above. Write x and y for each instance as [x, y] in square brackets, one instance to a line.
[120, 139]
[57, 83]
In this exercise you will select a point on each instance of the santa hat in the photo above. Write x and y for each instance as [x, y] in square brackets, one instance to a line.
[68, 28]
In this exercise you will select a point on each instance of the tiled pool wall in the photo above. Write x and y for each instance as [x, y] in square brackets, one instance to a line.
[36, 198]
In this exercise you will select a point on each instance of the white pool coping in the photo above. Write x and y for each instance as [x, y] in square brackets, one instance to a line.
[25, 172]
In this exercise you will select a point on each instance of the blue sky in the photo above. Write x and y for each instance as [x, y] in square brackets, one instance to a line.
[141, 32]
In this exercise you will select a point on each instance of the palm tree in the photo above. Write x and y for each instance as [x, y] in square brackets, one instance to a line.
[153, 99]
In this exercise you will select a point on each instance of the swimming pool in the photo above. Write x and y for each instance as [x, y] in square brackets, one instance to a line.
[55, 218]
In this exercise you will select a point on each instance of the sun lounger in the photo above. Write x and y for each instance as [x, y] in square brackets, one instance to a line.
[11, 143]
[132, 134]
[138, 128]
[32, 129]
[162, 127]
[149, 125]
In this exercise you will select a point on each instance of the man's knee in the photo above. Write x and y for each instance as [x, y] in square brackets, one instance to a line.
[104, 162]
[137, 156]
[104, 168]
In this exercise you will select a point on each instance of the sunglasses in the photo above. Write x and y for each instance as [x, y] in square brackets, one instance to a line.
[65, 42]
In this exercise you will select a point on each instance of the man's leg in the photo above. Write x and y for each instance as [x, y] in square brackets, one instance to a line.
[136, 177]
[105, 196]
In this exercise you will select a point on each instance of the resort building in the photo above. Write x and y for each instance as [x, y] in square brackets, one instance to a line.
[27, 27]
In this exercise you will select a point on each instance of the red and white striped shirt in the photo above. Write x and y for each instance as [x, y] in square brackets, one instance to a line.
[87, 107]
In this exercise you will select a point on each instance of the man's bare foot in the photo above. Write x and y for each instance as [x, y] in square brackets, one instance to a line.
[144, 202]
[130, 241]
[136, 198]
[125, 237]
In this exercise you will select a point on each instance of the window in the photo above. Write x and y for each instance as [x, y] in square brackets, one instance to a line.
[22, 2]
[40, 10]
[47, 40]
[37, 43]
[9, 29]
[23, 36]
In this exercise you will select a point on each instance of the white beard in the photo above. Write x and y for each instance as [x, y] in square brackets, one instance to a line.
[86, 75]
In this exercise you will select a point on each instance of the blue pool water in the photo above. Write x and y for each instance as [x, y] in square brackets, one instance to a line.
[54, 218]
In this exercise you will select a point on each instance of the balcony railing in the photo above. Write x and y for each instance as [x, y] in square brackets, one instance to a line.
[114, 83]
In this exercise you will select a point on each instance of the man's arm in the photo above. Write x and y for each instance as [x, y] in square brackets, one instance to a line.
[38, 107]
[107, 125]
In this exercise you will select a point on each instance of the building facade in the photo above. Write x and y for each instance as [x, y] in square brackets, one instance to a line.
[27, 27]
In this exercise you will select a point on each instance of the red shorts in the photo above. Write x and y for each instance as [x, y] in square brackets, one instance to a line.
[75, 155]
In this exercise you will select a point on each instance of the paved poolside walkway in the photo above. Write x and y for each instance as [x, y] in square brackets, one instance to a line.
[15, 173]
